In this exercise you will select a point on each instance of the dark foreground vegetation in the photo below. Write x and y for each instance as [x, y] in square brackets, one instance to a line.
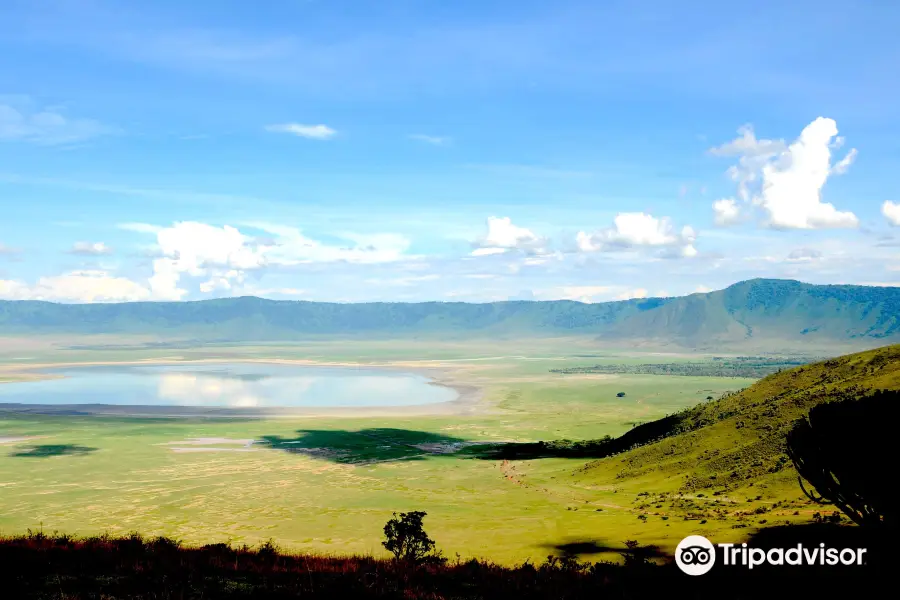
[38, 566]
[847, 452]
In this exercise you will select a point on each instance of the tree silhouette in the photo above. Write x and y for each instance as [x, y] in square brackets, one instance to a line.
[847, 450]
[406, 539]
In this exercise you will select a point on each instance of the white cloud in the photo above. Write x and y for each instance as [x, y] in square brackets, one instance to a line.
[224, 255]
[291, 247]
[488, 251]
[631, 294]
[90, 249]
[748, 145]
[46, 126]
[7, 251]
[843, 165]
[584, 293]
[532, 261]
[316, 132]
[787, 182]
[502, 236]
[76, 286]
[634, 230]
[726, 211]
[434, 140]
[891, 212]
[702, 289]
[198, 249]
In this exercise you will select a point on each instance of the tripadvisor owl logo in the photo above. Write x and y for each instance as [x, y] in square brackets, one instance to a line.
[695, 555]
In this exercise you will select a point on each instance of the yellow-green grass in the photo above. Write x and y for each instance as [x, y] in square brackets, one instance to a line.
[119, 475]
[732, 470]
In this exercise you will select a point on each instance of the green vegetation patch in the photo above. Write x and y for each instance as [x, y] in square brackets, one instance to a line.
[741, 366]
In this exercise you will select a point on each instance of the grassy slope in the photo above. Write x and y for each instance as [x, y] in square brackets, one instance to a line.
[732, 449]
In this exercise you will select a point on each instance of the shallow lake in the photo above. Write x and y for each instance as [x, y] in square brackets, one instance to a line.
[228, 385]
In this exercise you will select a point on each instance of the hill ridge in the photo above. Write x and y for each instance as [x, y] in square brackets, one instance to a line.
[757, 310]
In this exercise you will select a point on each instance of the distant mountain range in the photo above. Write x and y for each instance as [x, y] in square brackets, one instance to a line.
[754, 313]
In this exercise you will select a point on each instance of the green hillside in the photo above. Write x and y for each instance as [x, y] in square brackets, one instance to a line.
[727, 446]
[772, 309]
[760, 313]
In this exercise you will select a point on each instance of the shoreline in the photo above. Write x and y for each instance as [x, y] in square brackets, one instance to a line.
[467, 402]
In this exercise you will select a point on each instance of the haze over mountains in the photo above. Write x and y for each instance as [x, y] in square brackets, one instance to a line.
[754, 313]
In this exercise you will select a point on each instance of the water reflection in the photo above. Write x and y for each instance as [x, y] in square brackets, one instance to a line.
[232, 385]
[193, 390]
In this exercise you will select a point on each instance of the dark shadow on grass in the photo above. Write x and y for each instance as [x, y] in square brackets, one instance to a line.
[582, 549]
[48, 450]
[366, 445]
[389, 444]
[585, 449]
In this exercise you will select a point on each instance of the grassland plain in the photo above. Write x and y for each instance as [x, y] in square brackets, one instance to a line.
[328, 484]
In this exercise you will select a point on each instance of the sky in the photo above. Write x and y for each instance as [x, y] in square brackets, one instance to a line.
[426, 150]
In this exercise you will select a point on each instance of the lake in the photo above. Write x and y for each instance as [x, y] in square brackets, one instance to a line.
[228, 385]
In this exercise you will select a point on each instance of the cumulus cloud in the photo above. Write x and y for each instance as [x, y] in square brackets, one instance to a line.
[46, 126]
[787, 181]
[200, 250]
[76, 286]
[90, 249]
[726, 212]
[502, 237]
[746, 145]
[315, 132]
[636, 230]
[223, 256]
[891, 212]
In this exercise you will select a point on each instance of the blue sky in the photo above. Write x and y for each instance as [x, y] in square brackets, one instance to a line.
[355, 150]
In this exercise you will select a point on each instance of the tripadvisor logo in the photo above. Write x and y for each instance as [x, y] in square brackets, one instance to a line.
[696, 555]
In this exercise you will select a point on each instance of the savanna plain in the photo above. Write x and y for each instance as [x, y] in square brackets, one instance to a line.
[327, 481]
